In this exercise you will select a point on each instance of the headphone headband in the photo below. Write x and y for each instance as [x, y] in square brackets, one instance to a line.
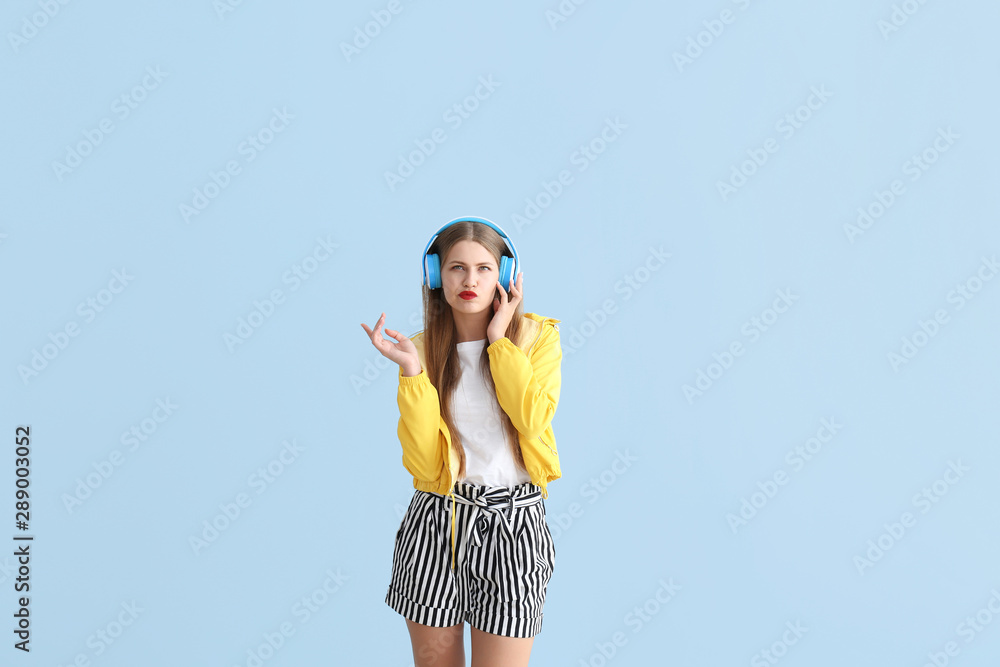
[432, 264]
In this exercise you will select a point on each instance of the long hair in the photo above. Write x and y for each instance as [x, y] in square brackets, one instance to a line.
[441, 356]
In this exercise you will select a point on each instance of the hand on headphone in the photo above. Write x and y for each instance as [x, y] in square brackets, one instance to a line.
[503, 309]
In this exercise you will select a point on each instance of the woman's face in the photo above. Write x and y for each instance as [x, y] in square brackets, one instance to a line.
[469, 267]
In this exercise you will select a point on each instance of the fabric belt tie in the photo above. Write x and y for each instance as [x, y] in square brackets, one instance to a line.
[497, 501]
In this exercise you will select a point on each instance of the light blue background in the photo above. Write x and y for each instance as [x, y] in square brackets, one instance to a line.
[337, 505]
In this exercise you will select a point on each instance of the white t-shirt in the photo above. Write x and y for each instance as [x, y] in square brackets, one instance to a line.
[488, 458]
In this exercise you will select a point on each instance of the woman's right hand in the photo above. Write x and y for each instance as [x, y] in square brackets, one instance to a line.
[403, 352]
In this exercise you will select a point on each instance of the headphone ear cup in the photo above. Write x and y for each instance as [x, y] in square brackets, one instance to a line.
[433, 271]
[506, 271]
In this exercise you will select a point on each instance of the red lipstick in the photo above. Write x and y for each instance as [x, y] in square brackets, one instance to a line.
[467, 295]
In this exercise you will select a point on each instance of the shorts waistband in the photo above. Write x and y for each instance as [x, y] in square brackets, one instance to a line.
[496, 495]
[499, 500]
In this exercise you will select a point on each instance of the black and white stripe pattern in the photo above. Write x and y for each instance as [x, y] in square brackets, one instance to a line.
[505, 557]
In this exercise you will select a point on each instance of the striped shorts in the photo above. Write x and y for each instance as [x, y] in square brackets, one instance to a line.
[504, 556]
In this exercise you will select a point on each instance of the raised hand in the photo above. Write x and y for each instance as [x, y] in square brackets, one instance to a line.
[402, 352]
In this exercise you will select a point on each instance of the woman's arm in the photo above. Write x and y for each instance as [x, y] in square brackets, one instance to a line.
[422, 431]
[528, 391]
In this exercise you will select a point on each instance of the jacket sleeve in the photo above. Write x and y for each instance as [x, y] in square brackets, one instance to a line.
[422, 431]
[528, 390]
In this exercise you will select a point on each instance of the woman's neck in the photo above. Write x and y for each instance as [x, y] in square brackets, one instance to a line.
[471, 326]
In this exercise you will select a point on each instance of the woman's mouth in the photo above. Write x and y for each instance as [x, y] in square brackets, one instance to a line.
[468, 295]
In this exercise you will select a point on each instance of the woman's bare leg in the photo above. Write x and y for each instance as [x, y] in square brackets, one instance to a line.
[437, 647]
[489, 650]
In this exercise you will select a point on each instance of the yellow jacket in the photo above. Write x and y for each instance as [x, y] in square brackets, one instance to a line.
[527, 378]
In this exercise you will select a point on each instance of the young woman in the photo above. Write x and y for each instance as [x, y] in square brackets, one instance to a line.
[478, 389]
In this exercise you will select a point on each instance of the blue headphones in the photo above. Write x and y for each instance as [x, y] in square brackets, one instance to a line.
[432, 263]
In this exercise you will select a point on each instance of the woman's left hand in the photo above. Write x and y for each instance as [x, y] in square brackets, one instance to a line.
[503, 309]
